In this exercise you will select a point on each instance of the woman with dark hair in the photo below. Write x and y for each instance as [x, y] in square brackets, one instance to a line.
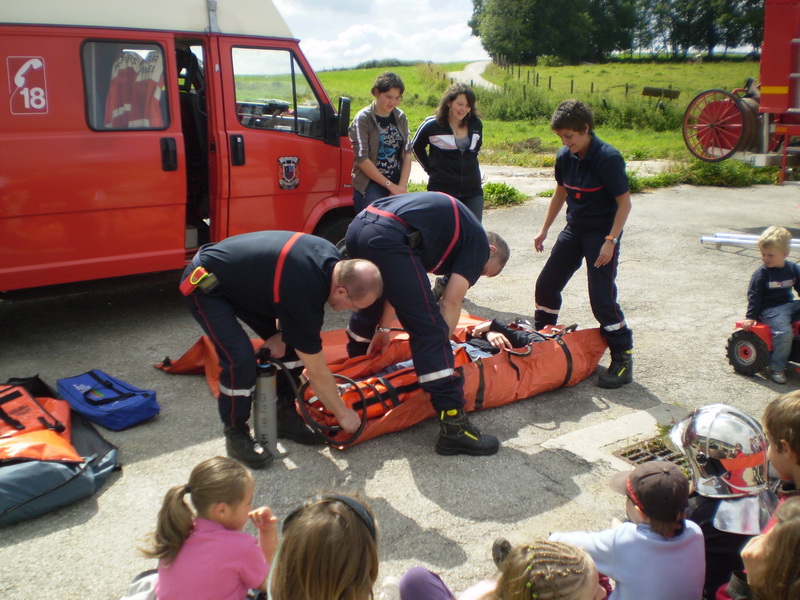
[591, 181]
[381, 144]
[447, 146]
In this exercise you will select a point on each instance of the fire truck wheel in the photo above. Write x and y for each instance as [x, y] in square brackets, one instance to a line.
[334, 230]
[747, 353]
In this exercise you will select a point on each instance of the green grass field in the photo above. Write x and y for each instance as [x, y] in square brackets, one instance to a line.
[530, 142]
[609, 80]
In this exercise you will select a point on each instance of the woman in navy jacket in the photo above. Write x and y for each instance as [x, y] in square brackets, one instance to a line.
[447, 146]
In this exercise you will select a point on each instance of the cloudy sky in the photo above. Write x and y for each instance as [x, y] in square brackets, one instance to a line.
[343, 33]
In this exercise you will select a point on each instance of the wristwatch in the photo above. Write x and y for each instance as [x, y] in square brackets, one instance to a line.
[613, 239]
[387, 184]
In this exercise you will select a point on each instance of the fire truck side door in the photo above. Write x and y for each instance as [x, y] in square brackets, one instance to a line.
[275, 130]
[94, 182]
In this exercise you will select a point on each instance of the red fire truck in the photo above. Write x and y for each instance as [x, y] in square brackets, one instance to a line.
[133, 132]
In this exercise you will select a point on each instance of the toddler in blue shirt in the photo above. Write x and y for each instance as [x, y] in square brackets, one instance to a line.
[770, 298]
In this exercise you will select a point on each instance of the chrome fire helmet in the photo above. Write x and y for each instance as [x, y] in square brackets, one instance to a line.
[726, 450]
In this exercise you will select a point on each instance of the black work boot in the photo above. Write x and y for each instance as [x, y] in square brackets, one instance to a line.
[240, 445]
[292, 427]
[457, 436]
[620, 371]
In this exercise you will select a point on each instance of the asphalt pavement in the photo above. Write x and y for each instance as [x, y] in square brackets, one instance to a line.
[680, 297]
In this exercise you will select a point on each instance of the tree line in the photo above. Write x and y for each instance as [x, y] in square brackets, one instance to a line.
[521, 31]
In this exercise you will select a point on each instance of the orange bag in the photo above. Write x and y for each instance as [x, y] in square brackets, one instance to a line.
[34, 428]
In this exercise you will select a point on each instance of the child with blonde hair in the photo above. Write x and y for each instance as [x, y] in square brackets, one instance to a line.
[770, 299]
[329, 551]
[541, 570]
[772, 571]
[781, 422]
[203, 553]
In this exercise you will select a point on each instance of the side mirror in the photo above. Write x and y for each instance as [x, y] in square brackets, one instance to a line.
[344, 116]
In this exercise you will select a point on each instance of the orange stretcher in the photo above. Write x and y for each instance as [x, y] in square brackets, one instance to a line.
[396, 401]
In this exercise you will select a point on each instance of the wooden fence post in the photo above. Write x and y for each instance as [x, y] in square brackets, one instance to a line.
[549, 82]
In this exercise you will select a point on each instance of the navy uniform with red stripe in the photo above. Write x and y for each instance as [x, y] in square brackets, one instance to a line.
[264, 277]
[408, 236]
[593, 184]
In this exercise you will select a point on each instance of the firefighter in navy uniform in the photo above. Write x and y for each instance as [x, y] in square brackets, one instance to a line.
[591, 179]
[407, 236]
[277, 282]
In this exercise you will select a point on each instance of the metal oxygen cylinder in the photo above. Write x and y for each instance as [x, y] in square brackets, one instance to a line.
[265, 403]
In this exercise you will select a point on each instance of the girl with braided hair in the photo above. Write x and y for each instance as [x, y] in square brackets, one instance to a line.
[542, 570]
[548, 571]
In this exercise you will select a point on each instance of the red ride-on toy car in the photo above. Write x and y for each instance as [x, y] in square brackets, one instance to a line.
[748, 351]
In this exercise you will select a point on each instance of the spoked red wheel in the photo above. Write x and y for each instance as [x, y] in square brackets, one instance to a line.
[717, 124]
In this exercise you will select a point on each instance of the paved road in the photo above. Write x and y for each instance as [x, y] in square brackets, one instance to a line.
[472, 75]
[532, 181]
[680, 297]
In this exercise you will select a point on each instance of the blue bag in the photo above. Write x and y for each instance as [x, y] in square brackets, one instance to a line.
[108, 401]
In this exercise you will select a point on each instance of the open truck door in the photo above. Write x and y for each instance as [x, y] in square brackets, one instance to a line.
[281, 134]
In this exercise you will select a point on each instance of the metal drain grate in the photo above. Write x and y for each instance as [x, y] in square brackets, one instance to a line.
[652, 449]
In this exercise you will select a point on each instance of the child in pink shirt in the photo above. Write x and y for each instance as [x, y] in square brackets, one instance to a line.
[205, 553]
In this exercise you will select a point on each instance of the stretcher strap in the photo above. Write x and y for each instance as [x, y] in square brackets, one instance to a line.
[391, 394]
[513, 366]
[568, 356]
[390, 391]
[480, 394]
[276, 284]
